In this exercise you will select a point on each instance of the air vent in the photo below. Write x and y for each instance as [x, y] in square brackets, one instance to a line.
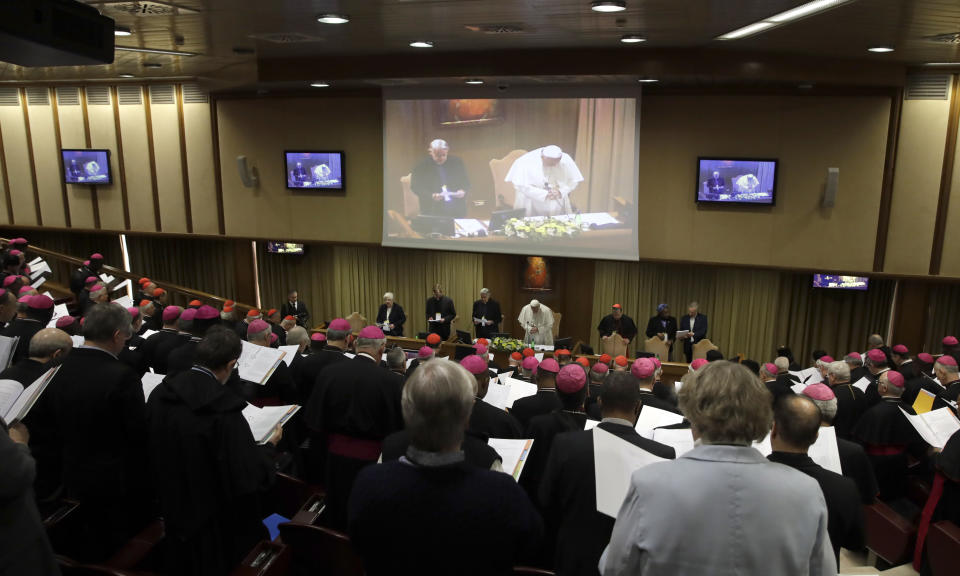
[129, 95]
[37, 96]
[68, 96]
[142, 9]
[9, 97]
[496, 28]
[285, 37]
[193, 94]
[927, 87]
[98, 96]
[162, 94]
[948, 38]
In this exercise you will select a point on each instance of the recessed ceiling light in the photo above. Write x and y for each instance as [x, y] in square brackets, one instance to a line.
[122, 31]
[802, 11]
[333, 19]
[647, 80]
[127, 76]
[421, 44]
[941, 64]
[152, 65]
[154, 51]
[319, 84]
[632, 39]
[608, 6]
[474, 81]
[746, 31]
[880, 49]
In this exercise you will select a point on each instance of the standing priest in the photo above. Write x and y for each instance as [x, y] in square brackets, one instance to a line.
[440, 312]
[486, 315]
[617, 322]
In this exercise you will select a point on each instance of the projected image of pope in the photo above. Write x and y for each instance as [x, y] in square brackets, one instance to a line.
[544, 179]
[440, 182]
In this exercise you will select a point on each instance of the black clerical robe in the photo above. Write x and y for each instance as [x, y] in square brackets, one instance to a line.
[183, 357]
[281, 335]
[491, 422]
[429, 178]
[845, 523]
[851, 404]
[25, 371]
[908, 368]
[397, 318]
[354, 406]
[298, 310]
[308, 370]
[624, 326]
[210, 473]
[887, 437]
[856, 466]
[543, 429]
[568, 498]
[78, 279]
[699, 333]
[476, 452]
[544, 401]
[156, 348]
[278, 390]
[665, 325]
[778, 388]
[491, 311]
[950, 393]
[444, 306]
[648, 398]
[23, 328]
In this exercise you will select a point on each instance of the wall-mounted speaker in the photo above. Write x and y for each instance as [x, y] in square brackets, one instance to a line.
[248, 175]
[831, 187]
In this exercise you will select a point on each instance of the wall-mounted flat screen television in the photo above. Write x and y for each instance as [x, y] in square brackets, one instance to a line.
[284, 248]
[86, 166]
[839, 282]
[314, 170]
[736, 181]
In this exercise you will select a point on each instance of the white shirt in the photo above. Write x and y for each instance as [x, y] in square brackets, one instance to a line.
[531, 179]
[543, 320]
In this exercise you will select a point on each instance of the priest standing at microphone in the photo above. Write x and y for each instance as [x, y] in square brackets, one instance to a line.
[537, 322]
[440, 182]
[543, 179]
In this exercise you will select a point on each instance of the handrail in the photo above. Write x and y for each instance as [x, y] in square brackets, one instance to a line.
[187, 293]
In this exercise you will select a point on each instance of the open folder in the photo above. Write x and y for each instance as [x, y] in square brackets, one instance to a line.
[257, 363]
[16, 401]
[262, 421]
[615, 460]
[513, 454]
[8, 345]
[935, 427]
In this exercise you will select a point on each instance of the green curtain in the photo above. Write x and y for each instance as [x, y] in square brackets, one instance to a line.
[943, 316]
[336, 281]
[205, 265]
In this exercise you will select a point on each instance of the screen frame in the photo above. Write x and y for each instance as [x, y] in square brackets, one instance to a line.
[63, 164]
[343, 171]
[813, 279]
[773, 196]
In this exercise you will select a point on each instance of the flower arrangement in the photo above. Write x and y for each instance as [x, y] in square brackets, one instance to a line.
[506, 345]
[540, 229]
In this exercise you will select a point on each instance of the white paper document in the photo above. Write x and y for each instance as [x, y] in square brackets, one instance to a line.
[125, 284]
[590, 424]
[35, 261]
[257, 363]
[59, 311]
[823, 452]
[126, 301]
[614, 461]
[436, 317]
[150, 381]
[681, 333]
[799, 387]
[8, 345]
[148, 333]
[38, 282]
[41, 268]
[518, 389]
[809, 376]
[16, 401]
[497, 395]
[539, 356]
[680, 439]
[78, 340]
[513, 454]
[262, 421]
[290, 352]
[936, 426]
[651, 418]
[862, 384]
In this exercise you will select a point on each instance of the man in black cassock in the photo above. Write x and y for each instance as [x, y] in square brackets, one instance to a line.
[486, 420]
[645, 372]
[210, 472]
[442, 305]
[851, 402]
[440, 182]
[390, 316]
[663, 326]
[354, 406]
[545, 400]
[568, 492]
[618, 322]
[946, 371]
[164, 338]
[876, 364]
[775, 384]
[796, 425]
[91, 423]
[48, 348]
[39, 313]
[199, 320]
[486, 315]
[308, 371]
[279, 389]
[79, 276]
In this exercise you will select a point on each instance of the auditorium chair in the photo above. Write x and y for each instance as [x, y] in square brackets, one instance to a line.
[316, 550]
[701, 348]
[889, 535]
[556, 324]
[411, 202]
[61, 522]
[357, 322]
[266, 559]
[453, 329]
[289, 495]
[137, 550]
[503, 191]
[615, 345]
[70, 568]
[943, 548]
[402, 224]
[657, 347]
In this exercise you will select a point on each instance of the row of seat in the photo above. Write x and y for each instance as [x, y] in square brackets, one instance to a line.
[892, 537]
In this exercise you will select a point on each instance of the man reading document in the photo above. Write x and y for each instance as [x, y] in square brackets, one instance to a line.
[543, 179]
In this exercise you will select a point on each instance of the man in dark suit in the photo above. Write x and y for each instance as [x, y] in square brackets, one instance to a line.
[568, 492]
[296, 308]
[440, 312]
[645, 372]
[545, 400]
[440, 182]
[39, 313]
[663, 326]
[390, 316]
[618, 322]
[488, 421]
[696, 324]
[905, 365]
[79, 276]
[48, 348]
[354, 406]
[855, 362]
[777, 386]
[279, 388]
[164, 337]
[796, 423]
[486, 315]
[200, 319]
[91, 421]
[308, 371]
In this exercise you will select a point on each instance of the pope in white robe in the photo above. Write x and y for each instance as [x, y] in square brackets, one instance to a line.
[537, 322]
[543, 180]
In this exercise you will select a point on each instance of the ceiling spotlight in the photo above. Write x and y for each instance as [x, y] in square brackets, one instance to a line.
[127, 76]
[421, 44]
[880, 49]
[152, 65]
[122, 31]
[647, 80]
[941, 63]
[333, 19]
[319, 84]
[632, 39]
[608, 5]
[474, 81]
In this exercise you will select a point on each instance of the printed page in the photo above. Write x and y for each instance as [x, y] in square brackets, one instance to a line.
[615, 460]
[513, 454]
[651, 418]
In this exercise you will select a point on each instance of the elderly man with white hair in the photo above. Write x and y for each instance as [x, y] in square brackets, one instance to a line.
[851, 402]
[543, 180]
[486, 315]
[390, 316]
[537, 322]
[440, 182]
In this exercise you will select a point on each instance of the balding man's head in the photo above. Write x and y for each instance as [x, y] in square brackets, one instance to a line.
[875, 341]
[796, 423]
[49, 344]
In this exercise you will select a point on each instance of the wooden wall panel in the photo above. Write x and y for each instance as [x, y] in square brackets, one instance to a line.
[18, 165]
[72, 135]
[166, 146]
[47, 165]
[199, 139]
[137, 161]
[950, 261]
[103, 134]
